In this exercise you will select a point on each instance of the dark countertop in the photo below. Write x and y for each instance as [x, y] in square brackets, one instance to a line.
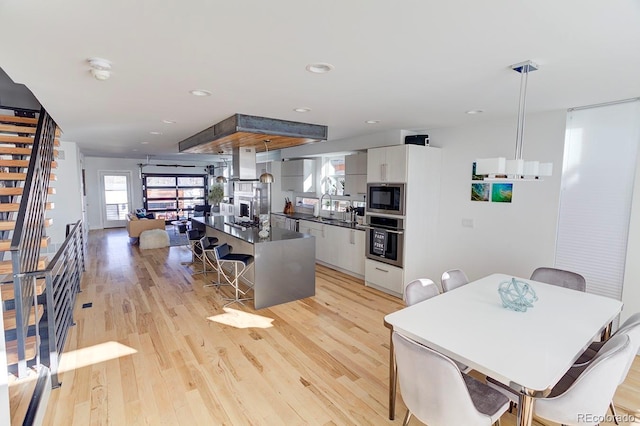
[250, 235]
[312, 218]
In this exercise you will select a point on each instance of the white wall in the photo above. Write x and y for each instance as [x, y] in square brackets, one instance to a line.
[67, 199]
[631, 286]
[512, 238]
[95, 165]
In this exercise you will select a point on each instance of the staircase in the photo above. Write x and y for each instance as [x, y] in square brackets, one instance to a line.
[27, 151]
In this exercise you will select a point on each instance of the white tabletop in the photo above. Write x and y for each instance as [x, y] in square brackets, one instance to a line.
[532, 349]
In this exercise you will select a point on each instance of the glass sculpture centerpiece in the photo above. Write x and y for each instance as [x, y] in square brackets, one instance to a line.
[517, 295]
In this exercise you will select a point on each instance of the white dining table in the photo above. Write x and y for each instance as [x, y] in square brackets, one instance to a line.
[528, 351]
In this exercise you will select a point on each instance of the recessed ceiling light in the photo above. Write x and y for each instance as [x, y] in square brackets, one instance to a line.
[319, 67]
[144, 143]
[168, 122]
[156, 133]
[475, 111]
[135, 149]
[302, 109]
[372, 121]
[200, 92]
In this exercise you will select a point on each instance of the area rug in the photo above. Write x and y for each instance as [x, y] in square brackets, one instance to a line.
[176, 239]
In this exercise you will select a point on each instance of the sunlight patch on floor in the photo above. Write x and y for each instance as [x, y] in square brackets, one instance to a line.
[240, 319]
[93, 355]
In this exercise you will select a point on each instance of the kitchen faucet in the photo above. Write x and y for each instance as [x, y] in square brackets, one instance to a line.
[330, 203]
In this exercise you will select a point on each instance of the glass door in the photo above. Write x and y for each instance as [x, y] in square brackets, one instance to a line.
[172, 197]
[116, 198]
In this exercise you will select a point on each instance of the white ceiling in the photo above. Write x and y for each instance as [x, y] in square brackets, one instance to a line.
[412, 64]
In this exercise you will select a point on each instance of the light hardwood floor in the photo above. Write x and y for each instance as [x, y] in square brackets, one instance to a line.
[156, 347]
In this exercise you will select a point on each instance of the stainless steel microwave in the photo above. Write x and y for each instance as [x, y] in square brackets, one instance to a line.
[386, 198]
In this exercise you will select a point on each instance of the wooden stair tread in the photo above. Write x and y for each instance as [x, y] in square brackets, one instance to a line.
[14, 119]
[9, 225]
[7, 268]
[5, 245]
[9, 317]
[21, 163]
[9, 150]
[20, 176]
[8, 293]
[17, 190]
[14, 207]
[12, 349]
[4, 138]
[11, 128]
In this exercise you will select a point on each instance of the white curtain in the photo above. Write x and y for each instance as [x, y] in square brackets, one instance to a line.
[598, 173]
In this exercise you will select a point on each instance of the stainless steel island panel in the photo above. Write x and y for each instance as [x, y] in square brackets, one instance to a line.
[284, 271]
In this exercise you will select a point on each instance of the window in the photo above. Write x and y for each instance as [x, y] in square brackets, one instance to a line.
[332, 175]
[171, 196]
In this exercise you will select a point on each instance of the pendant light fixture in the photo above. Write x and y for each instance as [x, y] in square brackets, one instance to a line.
[221, 178]
[266, 177]
[518, 168]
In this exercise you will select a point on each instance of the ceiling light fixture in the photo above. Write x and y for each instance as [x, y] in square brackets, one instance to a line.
[302, 109]
[372, 121]
[266, 177]
[145, 143]
[100, 68]
[319, 68]
[168, 122]
[155, 133]
[475, 111]
[200, 92]
[517, 168]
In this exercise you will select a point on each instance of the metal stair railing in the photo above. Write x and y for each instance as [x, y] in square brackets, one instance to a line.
[28, 232]
[62, 278]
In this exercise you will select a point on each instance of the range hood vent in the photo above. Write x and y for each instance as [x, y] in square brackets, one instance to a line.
[241, 130]
[244, 163]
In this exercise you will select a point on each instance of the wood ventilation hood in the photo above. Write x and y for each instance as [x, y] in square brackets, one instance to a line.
[241, 130]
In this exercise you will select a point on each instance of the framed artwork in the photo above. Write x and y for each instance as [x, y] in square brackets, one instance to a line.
[480, 191]
[475, 176]
[501, 192]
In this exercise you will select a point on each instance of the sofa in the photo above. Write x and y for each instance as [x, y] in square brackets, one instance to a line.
[136, 225]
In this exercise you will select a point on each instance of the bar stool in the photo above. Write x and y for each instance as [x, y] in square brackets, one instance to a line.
[238, 260]
[207, 245]
[193, 242]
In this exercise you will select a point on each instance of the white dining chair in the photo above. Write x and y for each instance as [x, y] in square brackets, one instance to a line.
[560, 277]
[438, 394]
[419, 290]
[631, 328]
[585, 400]
[453, 279]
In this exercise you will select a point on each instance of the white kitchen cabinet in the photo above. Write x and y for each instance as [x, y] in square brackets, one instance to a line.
[277, 221]
[337, 246]
[386, 277]
[355, 174]
[298, 175]
[226, 209]
[350, 250]
[419, 168]
[387, 164]
[324, 252]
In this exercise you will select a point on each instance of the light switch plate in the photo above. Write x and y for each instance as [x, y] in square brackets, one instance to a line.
[467, 223]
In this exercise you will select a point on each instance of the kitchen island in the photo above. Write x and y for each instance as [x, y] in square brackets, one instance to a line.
[284, 262]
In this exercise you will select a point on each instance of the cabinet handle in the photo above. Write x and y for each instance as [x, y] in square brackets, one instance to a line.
[352, 235]
[380, 269]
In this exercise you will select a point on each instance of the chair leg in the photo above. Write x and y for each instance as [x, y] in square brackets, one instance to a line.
[407, 417]
[613, 412]
[497, 423]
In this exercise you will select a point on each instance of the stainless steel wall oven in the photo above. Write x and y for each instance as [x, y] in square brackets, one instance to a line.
[385, 239]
